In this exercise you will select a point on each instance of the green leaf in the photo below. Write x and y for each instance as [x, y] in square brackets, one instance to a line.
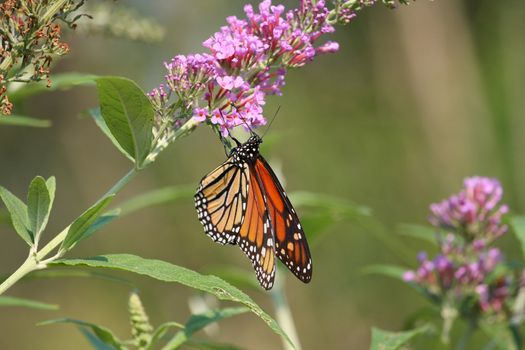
[421, 232]
[200, 321]
[383, 340]
[518, 227]
[160, 332]
[84, 222]
[101, 222]
[236, 276]
[167, 272]
[128, 114]
[38, 206]
[155, 197]
[338, 206]
[207, 345]
[97, 117]
[102, 333]
[93, 340]
[386, 270]
[51, 184]
[18, 120]
[32, 304]
[62, 81]
[69, 272]
[502, 335]
[18, 211]
[327, 210]
[397, 272]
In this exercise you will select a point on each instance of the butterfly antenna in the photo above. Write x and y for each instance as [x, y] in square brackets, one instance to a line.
[271, 121]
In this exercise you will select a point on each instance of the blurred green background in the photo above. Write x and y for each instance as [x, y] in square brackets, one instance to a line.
[417, 99]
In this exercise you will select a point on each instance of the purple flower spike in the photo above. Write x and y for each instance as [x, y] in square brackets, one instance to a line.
[475, 212]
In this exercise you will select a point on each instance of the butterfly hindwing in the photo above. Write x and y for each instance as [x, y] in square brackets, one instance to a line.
[291, 246]
[256, 237]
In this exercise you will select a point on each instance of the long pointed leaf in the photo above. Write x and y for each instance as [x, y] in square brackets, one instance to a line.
[18, 211]
[83, 223]
[102, 333]
[38, 206]
[198, 322]
[20, 302]
[383, 340]
[167, 272]
[18, 120]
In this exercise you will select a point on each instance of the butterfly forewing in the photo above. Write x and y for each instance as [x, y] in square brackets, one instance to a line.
[291, 246]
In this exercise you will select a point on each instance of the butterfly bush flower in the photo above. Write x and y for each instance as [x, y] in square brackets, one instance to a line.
[468, 274]
[246, 61]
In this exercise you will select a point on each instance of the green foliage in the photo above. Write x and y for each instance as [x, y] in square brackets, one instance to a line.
[18, 212]
[103, 334]
[84, 223]
[101, 222]
[61, 82]
[423, 233]
[322, 211]
[200, 321]
[38, 206]
[101, 123]
[20, 302]
[161, 331]
[518, 227]
[383, 340]
[392, 271]
[504, 337]
[18, 120]
[128, 114]
[167, 272]
[156, 197]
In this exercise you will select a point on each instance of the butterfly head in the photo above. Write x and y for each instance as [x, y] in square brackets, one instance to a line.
[249, 150]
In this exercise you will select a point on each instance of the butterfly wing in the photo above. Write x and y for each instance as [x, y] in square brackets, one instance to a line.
[255, 236]
[220, 201]
[291, 246]
[230, 206]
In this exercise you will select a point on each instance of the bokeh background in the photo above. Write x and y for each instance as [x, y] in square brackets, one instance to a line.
[417, 99]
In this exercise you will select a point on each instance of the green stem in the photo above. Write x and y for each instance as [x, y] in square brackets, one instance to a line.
[33, 262]
[283, 314]
[463, 342]
[28, 266]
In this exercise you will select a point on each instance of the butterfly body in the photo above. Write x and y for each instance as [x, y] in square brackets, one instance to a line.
[242, 202]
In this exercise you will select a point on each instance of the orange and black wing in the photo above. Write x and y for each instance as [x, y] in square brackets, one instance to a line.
[220, 201]
[291, 246]
[230, 206]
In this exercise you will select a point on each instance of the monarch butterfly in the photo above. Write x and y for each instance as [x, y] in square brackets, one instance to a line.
[242, 202]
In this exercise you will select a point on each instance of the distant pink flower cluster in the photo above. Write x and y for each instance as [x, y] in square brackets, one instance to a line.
[475, 212]
[247, 61]
[468, 268]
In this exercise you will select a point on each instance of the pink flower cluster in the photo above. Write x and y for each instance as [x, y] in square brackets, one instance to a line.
[248, 60]
[468, 268]
[475, 212]
[463, 277]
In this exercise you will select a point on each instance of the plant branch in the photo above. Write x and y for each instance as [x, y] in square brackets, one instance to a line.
[36, 261]
[283, 314]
